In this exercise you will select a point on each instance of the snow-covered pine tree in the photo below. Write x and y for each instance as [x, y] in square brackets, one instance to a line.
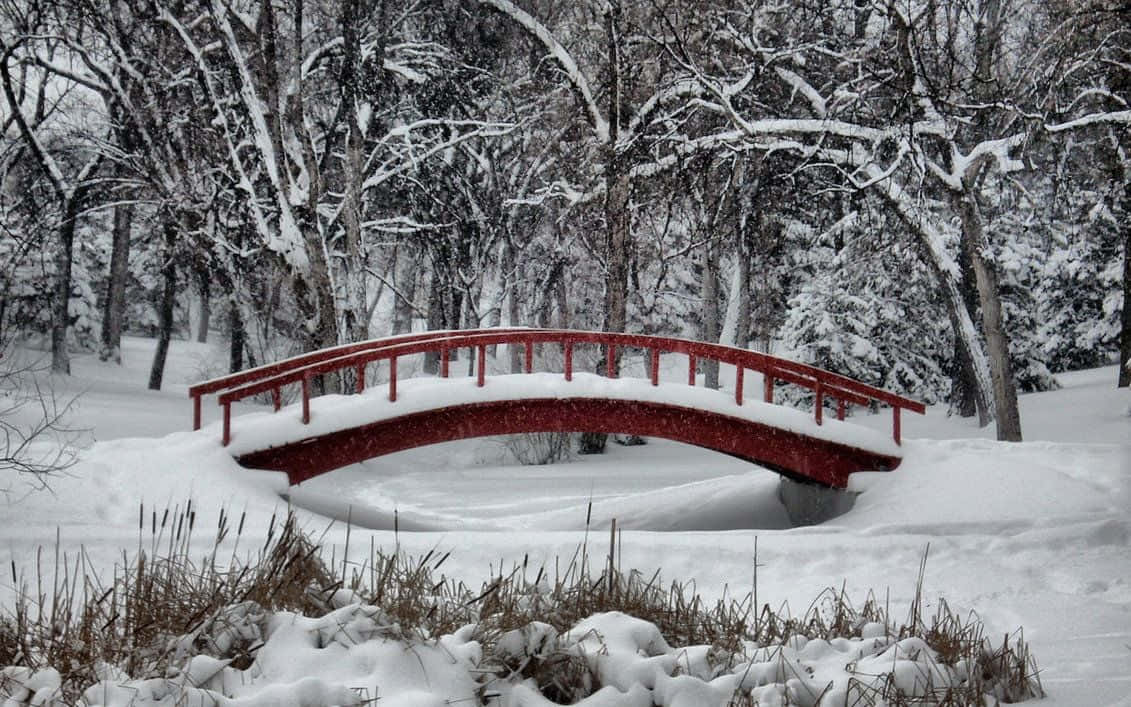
[1080, 295]
[1021, 274]
[868, 312]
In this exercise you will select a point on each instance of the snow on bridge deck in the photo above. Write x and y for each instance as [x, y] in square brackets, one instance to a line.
[333, 413]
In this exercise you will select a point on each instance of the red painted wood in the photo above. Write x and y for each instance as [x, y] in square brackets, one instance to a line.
[768, 385]
[787, 452]
[235, 380]
[739, 374]
[301, 368]
[481, 366]
[360, 378]
[819, 403]
[529, 356]
[276, 398]
[227, 424]
[196, 412]
[445, 365]
[306, 400]
[655, 366]
[393, 379]
[840, 409]
[896, 433]
[568, 355]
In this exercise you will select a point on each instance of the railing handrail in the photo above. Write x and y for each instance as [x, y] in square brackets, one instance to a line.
[803, 374]
[358, 358]
[303, 368]
[268, 370]
[232, 380]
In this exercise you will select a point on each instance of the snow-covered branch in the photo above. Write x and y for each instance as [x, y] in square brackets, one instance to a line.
[1121, 117]
[564, 59]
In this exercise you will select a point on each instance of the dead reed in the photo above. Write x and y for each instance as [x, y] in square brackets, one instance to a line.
[161, 608]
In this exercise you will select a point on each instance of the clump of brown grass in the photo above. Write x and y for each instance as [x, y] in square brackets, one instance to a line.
[161, 608]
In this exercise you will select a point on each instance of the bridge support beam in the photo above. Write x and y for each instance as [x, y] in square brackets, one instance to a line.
[793, 453]
[809, 503]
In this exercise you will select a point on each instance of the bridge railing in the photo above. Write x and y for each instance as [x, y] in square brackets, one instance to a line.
[301, 370]
[233, 380]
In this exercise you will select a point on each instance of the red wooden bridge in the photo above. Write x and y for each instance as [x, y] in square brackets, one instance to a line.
[788, 441]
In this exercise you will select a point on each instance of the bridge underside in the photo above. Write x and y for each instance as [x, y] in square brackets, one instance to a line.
[795, 455]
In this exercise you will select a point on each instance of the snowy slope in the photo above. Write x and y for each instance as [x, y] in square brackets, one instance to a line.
[1034, 535]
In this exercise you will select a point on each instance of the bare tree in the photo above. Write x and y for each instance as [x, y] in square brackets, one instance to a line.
[31, 110]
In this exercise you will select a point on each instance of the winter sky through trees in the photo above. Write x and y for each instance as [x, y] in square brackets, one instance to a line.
[933, 196]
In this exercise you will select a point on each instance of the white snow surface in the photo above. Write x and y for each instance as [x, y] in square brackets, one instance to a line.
[331, 413]
[1034, 535]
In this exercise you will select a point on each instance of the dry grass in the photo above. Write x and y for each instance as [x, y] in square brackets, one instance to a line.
[161, 608]
[159, 605]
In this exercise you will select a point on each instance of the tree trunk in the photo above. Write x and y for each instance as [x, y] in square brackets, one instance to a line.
[509, 304]
[314, 293]
[709, 293]
[352, 274]
[561, 294]
[737, 328]
[404, 291]
[617, 241]
[435, 320]
[237, 337]
[205, 285]
[863, 11]
[113, 312]
[997, 339]
[165, 311]
[964, 383]
[945, 271]
[61, 314]
[1125, 332]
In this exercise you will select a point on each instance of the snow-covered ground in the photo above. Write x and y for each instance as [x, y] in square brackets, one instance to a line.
[1034, 535]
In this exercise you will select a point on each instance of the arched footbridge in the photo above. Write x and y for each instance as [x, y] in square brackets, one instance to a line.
[316, 434]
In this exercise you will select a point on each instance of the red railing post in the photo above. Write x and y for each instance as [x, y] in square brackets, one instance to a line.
[655, 366]
[611, 360]
[768, 384]
[691, 369]
[481, 365]
[528, 352]
[306, 398]
[361, 377]
[277, 398]
[227, 423]
[443, 363]
[839, 409]
[895, 431]
[739, 373]
[196, 412]
[393, 377]
[819, 403]
[568, 345]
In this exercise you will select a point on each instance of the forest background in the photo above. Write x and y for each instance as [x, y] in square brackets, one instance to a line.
[932, 196]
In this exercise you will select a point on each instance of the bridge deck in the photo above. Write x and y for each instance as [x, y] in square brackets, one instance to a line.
[333, 413]
[354, 427]
[327, 432]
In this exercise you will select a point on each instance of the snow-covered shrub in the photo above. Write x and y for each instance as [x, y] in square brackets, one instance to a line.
[537, 448]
